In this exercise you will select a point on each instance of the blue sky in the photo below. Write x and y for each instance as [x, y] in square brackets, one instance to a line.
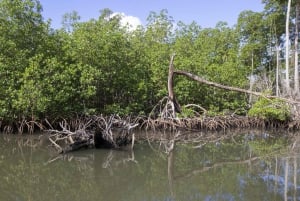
[205, 12]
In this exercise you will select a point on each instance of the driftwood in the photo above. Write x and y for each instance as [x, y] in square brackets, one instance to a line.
[93, 132]
[65, 140]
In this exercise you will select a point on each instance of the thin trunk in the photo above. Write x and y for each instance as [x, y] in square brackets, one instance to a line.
[287, 50]
[251, 79]
[296, 77]
[278, 63]
[277, 70]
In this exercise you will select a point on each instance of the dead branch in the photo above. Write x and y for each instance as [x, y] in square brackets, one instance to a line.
[65, 140]
[201, 80]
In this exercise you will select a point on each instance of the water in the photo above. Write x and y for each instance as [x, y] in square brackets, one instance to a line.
[246, 167]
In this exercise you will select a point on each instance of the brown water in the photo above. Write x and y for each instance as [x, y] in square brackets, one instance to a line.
[244, 168]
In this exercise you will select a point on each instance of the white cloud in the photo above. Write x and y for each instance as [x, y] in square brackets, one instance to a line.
[129, 21]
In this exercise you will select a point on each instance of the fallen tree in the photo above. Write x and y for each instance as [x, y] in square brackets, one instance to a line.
[213, 84]
[173, 106]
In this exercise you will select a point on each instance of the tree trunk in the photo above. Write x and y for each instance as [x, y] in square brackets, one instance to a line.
[251, 79]
[173, 101]
[277, 69]
[296, 76]
[287, 49]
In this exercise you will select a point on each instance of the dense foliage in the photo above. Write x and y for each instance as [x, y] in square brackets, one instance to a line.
[270, 110]
[100, 66]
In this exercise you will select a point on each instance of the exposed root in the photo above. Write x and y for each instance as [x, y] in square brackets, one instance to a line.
[204, 123]
[93, 131]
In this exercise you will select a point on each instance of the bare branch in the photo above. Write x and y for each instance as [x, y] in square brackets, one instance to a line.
[201, 80]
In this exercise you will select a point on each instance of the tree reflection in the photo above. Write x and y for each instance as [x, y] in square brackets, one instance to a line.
[241, 169]
[268, 168]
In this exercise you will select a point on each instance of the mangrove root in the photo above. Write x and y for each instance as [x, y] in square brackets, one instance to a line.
[96, 131]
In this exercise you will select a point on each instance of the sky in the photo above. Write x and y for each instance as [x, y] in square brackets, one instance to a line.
[207, 13]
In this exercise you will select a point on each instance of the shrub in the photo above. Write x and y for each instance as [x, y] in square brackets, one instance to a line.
[267, 109]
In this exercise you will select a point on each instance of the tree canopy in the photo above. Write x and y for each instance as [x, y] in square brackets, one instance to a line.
[100, 66]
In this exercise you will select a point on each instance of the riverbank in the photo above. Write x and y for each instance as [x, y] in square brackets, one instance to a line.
[202, 123]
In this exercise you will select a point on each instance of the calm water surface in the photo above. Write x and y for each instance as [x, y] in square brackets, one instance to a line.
[248, 167]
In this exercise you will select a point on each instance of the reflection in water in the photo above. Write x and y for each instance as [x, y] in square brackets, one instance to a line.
[242, 168]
